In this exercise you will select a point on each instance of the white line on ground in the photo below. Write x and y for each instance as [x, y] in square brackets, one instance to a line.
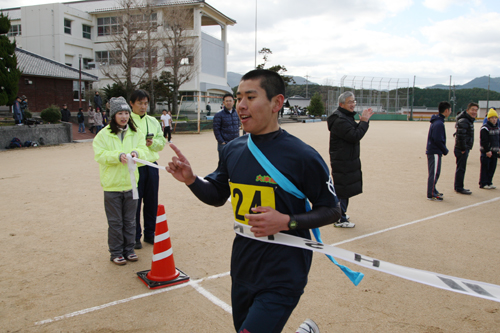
[220, 303]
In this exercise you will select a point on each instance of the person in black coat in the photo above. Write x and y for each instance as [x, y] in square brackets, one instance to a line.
[65, 114]
[464, 140]
[345, 136]
[97, 101]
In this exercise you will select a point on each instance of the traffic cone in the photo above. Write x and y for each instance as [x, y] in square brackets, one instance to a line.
[163, 272]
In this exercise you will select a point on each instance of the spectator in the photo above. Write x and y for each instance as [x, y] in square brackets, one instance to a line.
[464, 140]
[110, 149]
[148, 176]
[91, 120]
[65, 114]
[81, 121]
[16, 109]
[24, 105]
[489, 150]
[98, 120]
[209, 108]
[166, 123]
[436, 148]
[226, 124]
[97, 101]
[345, 137]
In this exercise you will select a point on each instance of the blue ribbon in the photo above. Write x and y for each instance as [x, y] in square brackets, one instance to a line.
[289, 187]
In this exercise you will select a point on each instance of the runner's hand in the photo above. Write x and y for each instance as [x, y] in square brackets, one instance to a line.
[180, 167]
[268, 222]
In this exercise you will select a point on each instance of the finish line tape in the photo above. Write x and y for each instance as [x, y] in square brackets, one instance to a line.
[450, 283]
[148, 163]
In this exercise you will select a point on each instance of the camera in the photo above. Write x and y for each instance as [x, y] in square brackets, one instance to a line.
[149, 136]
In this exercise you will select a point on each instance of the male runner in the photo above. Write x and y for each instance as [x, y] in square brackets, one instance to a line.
[267, 279]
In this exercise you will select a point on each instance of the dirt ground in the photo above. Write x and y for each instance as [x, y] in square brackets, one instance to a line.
[55, 273]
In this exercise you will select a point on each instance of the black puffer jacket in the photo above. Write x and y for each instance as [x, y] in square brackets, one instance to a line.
[345, 135]
[464, 135]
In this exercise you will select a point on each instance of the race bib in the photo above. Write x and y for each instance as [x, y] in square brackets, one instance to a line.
[244, 197]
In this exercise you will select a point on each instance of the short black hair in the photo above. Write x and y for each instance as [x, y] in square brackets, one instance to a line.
[227, 95]
[443, 106]
[270, 81]
[139, 94]
[473, 104]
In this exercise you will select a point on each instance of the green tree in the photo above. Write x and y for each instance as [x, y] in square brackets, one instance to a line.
[316, 106]
[281, 70]
[116, 90]
[9, 74]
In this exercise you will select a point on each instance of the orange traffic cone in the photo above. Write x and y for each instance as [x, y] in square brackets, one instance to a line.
[163, 272]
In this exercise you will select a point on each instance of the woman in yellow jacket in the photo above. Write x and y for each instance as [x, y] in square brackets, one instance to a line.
[111, 145]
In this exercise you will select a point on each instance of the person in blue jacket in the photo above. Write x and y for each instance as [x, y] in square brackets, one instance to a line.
[226, 123]
[436, 148]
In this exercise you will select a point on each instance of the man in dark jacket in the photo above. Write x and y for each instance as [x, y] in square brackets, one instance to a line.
[464, 140]
[226, 123]
[436, 148]
[97, 101]
[345, 136]
[65, 114]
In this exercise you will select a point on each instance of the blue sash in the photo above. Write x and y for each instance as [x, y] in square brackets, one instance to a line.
[288, 186]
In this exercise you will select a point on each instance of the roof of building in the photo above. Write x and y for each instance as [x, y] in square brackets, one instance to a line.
[491, 104]
[33, 64]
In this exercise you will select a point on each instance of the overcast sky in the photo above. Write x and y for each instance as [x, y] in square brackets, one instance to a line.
[327, 39]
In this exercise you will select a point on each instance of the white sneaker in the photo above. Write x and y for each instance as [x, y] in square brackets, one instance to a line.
[344, 225]
[308, 326]
[492, 187]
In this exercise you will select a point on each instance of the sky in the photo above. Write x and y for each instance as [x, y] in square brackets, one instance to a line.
[369, 40]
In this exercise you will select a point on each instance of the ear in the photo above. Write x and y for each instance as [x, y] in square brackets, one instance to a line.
[277, 103]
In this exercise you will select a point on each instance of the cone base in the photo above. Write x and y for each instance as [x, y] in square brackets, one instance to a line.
[182, 278]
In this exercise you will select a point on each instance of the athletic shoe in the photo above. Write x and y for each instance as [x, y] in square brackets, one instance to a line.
[120, 261]
[486, 187]
[308, 326]
[138, 245]
[344, 225]
[438, 198]
[132, 257]
[464, 191]
[492, 187]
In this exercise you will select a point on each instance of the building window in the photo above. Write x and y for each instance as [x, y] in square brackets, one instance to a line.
[67, 26]
[88, 63]
[189, 60]
[188, 95]
[141, 59]
[108, 57]
[76, 96]
[141, 22]
[15, 30]
[109, 26]
[68, 64]
[87, 31]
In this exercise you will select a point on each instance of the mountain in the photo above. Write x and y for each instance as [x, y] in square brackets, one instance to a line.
[233, 79]
[478, 82]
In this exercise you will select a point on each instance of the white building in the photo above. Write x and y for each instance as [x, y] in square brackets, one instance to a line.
[485, 106]
[64, 31]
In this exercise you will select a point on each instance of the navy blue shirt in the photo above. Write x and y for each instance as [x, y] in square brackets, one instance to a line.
[256, 264]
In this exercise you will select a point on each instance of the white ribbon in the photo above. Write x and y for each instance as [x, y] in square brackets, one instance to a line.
[148, 163]
[131, 170]
[450, 283]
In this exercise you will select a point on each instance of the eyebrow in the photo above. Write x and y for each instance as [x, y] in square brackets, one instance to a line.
[247, 92]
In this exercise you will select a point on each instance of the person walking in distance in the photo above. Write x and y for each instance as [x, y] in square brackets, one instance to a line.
[489, 150]
[345, 137]
[436, 148]
[464, 140]
[166, 124]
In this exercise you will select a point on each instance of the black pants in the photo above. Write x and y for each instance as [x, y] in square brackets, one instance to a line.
[167, 133]
[148, 194]
[488, 167]
[461, 165]
[434, 167]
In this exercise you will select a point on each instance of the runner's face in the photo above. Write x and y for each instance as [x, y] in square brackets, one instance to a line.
[140, 106]
[122, 118]
[228, 102]
[258, 115]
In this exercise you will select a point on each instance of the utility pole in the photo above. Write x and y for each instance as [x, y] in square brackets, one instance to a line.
[449, 91]
[80, 80]
[307, 84]
[255, 34]
[412, 98]
[488, 96]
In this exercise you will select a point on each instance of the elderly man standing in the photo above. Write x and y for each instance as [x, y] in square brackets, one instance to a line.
[345, 135]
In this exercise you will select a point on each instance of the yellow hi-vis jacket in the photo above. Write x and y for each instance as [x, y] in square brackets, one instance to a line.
[107, 150]
[148, 124]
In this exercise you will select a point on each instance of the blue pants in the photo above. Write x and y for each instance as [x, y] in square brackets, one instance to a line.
[488, 167]
[148, 194]
[434, 167]
[264, 311]
[81, 128]
[344, 202]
